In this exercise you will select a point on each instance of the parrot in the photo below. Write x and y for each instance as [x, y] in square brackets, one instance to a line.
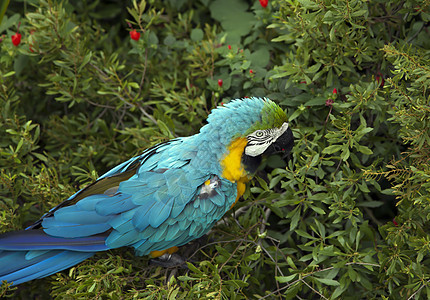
[169, 195]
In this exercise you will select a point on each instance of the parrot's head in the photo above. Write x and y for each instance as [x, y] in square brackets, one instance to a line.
[249, 129]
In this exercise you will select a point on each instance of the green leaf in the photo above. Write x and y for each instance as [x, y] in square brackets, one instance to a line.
[364, 149]
[6, 23]
[285, 279]
[304, 234]
[40, 156]
[308, 4]
[317, 209]
[332, 149]
[196, 35]
[260, 58]
[345, 153]
[314, 160]
[164, 128]
[234, 18]
[327, 281]
[315, 101]
[295, 218]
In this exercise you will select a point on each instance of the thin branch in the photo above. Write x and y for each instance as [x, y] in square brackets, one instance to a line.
[143, 73]
[266, 217]
[314, 290]
[417, 291]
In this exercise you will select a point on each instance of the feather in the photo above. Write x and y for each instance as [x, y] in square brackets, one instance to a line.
[159, 234]
[76, 230]
[44, 265]
[115, 204]
[38, 240]
[74, 215]
[141, 218]
[32, 254]
[170, 235]
[120, 239]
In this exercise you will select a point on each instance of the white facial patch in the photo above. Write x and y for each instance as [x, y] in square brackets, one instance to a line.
[260, 140]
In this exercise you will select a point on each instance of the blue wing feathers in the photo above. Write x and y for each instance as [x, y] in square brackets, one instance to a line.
[206, 206]
[160, 213]
[156, 208]
[76, 231]
[160, 233]
[74, 215]
[113, 205]
[140, 218]
[171, 234]
[218, 199]
[119, 239]
[89, 203]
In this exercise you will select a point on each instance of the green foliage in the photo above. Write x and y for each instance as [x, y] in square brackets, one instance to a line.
[346, 217]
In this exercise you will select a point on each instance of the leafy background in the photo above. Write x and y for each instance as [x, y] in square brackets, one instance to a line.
[346, 217]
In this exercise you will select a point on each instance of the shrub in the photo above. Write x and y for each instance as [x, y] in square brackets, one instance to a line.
[345, 217]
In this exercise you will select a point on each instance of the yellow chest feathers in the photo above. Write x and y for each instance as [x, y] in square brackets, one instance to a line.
[232, 168]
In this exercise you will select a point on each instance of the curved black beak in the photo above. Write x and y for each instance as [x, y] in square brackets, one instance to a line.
[283, 144]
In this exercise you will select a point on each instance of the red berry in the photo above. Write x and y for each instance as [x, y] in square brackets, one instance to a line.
[395, 223]
[335, 91]
[264, 3]
[229, 47]
[220, 82]
[251, 71]
[16, 39]
[135, 35]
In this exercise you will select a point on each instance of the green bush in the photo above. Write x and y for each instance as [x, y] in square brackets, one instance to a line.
[346, 217]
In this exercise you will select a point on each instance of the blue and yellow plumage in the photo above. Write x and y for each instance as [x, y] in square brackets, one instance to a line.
[169, 195]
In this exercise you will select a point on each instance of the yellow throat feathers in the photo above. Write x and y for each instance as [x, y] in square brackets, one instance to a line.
[232, 166]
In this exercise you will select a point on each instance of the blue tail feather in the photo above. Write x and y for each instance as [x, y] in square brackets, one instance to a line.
[30, 254]
[23, 270]
[37, 239]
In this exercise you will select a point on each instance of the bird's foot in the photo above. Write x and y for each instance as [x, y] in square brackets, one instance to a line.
[168, 260]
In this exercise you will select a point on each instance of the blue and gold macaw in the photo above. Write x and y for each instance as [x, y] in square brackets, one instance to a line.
[169, 195]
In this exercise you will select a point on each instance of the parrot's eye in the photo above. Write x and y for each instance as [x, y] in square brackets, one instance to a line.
[259, 134]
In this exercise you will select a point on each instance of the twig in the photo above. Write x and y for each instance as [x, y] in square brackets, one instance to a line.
[234, 214]
[417, 291]
[314, 290]
[143, 73]
[99, 105]
[266, 217]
